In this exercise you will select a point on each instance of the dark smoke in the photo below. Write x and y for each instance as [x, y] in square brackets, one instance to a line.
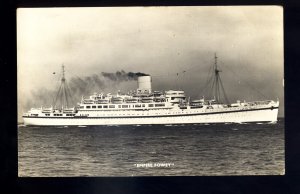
[86, 85]
[78, 87]
[123, 76]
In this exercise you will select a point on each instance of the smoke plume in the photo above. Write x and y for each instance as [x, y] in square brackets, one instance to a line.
[81, 86]
[122, 76]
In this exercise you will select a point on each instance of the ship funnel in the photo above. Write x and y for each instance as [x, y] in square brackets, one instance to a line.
[144, 84]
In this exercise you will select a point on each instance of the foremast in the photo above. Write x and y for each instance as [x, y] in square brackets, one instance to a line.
[63, 97]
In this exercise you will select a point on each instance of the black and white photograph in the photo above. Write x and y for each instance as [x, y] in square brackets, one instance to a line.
[150, 91]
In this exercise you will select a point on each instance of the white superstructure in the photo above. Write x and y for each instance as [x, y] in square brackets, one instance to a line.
[145, 106]
[163, 114]
[169, 107]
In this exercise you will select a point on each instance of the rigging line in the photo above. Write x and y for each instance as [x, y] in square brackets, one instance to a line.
[209, 77]
[63, 100]
[217, 89]
[209, 81]
[211, 92]
[63, 96]
[192, 67]
[206, 85]
[246, 82]
[59, 100]
[65, 92]
[69, 92]
[224, 93]
[53, 95]
[66, 96]
[55, 100]
[57, 88]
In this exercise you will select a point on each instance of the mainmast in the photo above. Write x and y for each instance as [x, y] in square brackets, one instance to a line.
[216, 70]
[217, 83]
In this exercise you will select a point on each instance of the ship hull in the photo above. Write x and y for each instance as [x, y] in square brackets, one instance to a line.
[241, 116]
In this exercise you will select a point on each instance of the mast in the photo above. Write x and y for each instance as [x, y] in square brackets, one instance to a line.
[63, 81]
[216, 70]
[217, 84]
[62, 94]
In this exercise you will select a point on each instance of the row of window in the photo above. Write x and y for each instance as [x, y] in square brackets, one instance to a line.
[121, 106]
[142, 114]
[60, 114]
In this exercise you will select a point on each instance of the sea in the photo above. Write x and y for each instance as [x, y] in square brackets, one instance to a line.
[152, 150]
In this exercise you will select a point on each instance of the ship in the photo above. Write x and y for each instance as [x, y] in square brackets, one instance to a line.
[147, 107]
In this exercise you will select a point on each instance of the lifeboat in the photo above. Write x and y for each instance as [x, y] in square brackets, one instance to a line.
[88, 101]
[68, 110]
[131, 100]
[102, 101]
[46, 110]
[117, 100]
[147, 99]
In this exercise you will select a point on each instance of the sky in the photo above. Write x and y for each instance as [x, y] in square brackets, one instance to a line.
[175, 45]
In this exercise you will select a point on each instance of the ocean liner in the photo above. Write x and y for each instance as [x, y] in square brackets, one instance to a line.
[146, 107]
